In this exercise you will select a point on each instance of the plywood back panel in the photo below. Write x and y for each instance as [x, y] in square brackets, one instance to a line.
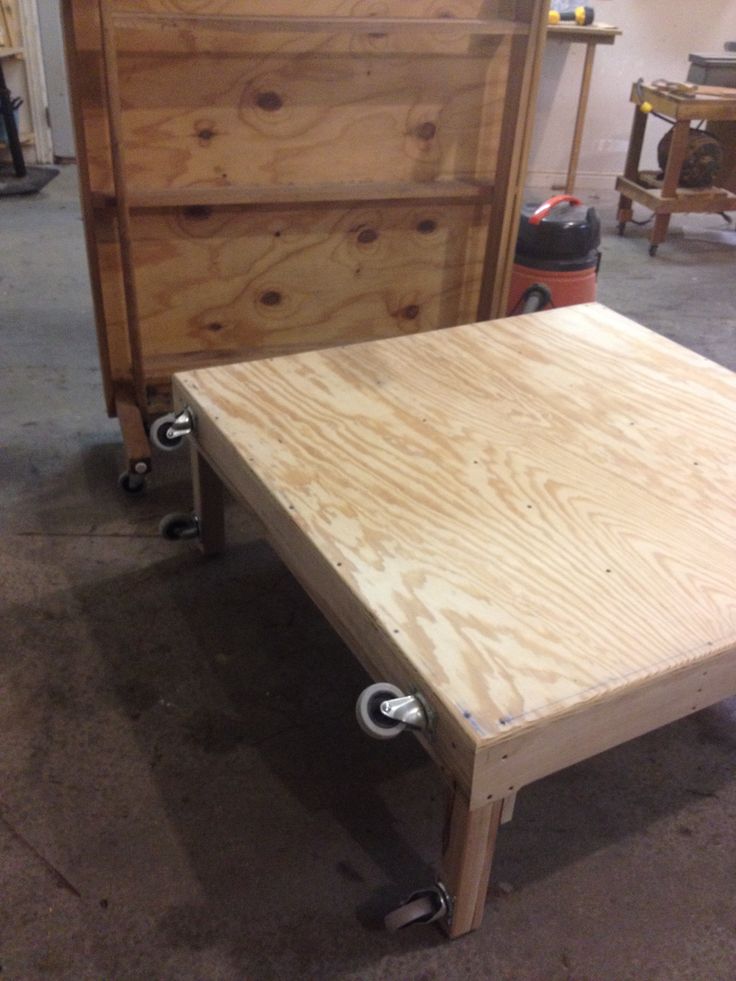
[319, 116]
[223, 279]
[238, 108]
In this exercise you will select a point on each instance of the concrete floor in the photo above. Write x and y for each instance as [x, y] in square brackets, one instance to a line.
[183, 791]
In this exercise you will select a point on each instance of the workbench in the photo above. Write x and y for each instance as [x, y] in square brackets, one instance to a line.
[662, 195]
[591, 36]
[527, 526]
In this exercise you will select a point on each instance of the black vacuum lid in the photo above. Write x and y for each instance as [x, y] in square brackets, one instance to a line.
[562, 227]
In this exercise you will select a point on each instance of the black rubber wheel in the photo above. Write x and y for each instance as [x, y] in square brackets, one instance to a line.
[621, 227]
[653, 250]
[159, 437]
[132, 483]
[178, 527]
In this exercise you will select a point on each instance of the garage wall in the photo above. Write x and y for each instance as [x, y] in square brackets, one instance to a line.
[49, 18]
[657, 38]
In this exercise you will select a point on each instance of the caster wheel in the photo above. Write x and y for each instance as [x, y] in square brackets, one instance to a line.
[179, 527]
[653, 250]
[368, 711]
[132, 483]
[158, 434]
[621, 227]
[421, 910]
[425, 906]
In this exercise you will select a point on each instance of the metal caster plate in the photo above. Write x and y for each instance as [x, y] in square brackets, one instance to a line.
[179, 527]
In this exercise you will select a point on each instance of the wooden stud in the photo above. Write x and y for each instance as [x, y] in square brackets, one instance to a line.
[633, 156]
[525, 66]
[268, 195]
[509, 803]
[209, 503]
[318, 24]
[137, 447]
[577, 138]
[35, 81]
[467, 859]
[675, 160]
[117, 149]
[76, 87]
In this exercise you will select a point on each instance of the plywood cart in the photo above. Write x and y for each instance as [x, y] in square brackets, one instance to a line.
[260, 178]
[525, 530]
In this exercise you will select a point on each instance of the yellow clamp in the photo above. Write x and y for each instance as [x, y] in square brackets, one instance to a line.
[554, 17]
[580, 15]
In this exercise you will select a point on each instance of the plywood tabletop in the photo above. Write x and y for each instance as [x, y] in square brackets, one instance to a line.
[537, 511]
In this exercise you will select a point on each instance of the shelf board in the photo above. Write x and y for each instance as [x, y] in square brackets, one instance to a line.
[255, 196]
[159, 368]
[12, 52]
[648, 192]
[352, 25]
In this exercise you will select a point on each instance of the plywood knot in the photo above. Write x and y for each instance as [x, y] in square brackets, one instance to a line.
[367, 235]
[410, 312]
[270, 298]
[269, 101]
[427, 226]
[205, 130]
[426, 131]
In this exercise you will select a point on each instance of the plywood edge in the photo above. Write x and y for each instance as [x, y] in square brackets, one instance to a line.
[548, 745]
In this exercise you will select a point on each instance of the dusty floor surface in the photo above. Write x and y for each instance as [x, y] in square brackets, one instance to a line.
[184, 793]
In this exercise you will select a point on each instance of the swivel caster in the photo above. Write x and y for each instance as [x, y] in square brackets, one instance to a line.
[621, 227]
[653, 250]
[424, 906]
[168, 431]
[132, 483]
[383, 711]
[179, 527]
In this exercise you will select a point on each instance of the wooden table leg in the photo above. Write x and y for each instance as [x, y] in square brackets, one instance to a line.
[209, 504]
[631, 170]
[675, 160]
[137, 447]
[466, 862]
[577, 137]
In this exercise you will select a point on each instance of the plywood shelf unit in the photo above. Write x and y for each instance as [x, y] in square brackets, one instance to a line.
[257, 181]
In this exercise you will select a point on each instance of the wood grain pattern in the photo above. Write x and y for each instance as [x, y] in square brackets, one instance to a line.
[336, 123]
[321, 116]
[536, 516]
[226, 281]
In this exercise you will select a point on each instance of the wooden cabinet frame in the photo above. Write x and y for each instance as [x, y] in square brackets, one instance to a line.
[266, 178]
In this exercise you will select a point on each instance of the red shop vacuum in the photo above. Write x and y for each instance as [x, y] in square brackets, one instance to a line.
[557, 255]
